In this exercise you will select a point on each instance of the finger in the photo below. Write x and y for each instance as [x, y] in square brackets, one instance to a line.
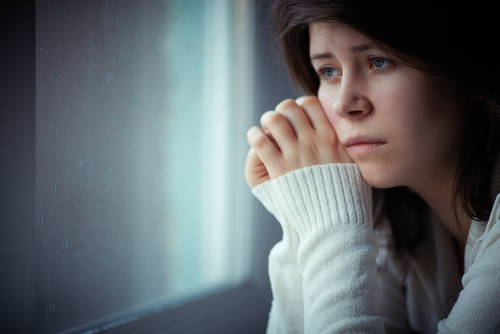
[268, 133]
[296, 116]
[267, 151]
[255, 170]
[317, 116]
[279, 128]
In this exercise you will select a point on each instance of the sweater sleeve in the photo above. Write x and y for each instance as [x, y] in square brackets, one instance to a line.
[330, 208]
[287, 311]
[477, 309]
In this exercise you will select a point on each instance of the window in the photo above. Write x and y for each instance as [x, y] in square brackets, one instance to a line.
[93, 230]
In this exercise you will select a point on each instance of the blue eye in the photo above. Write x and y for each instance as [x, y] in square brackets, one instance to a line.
[379, 62]
[328, 72]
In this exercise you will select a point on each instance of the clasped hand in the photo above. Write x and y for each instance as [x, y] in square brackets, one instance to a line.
[297, 134]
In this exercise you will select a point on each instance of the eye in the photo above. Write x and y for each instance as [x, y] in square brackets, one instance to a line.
[327, 72]
[379, 62]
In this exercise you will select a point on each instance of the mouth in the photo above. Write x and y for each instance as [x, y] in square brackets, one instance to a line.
[359, 145]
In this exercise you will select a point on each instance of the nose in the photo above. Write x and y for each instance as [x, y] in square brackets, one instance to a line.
[352, 101]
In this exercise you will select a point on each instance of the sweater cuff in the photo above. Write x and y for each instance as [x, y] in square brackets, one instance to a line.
[323, 197]
[266, 194]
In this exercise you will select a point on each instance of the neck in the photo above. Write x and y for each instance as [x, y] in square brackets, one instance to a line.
[437, 193]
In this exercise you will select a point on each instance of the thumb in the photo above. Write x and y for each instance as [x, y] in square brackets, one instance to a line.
[255, 170]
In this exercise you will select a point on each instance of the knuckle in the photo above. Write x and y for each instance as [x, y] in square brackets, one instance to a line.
[286, 104]
[264, 117]
[308, 101]
[272, 119]
[257, 141]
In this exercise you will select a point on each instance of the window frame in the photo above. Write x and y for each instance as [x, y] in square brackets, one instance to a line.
[245, 307]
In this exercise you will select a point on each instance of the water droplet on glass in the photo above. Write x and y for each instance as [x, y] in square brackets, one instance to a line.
[57, 99]
[41, 220]
[60, 11]
[57, 76]
[80, 162]
[65, 244]
[55, 154]
[54, 22]
[53, 308]
[58, 44]
[52, 148]
[55, 187]
[40, 46]
[55, 132]
[58, 60]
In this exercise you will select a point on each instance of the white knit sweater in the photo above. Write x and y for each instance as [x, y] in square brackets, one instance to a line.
[327, 275]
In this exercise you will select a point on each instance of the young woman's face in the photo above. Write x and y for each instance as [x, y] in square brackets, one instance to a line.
[399, 125]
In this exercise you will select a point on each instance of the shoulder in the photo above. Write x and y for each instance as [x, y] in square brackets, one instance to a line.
[484, 238]
[481, 281]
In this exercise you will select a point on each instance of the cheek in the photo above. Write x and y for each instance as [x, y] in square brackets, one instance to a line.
[429, 122]
[410, 108]
[429, 113]
[326, 98]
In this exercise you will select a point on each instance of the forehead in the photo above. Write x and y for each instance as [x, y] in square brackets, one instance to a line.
[333, 36]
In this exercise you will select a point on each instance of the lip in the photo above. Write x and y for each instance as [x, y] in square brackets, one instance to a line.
[363, 144]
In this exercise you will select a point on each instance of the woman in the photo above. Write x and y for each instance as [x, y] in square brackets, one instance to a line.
[385, 184]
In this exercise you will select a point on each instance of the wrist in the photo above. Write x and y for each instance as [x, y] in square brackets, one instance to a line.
[325, 197]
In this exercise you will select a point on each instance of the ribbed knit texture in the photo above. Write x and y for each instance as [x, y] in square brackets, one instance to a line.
[287, 311]
[339, 292]
[324, 274]
[324, 197]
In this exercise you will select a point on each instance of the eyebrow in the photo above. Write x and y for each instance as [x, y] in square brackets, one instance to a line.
[325, 55]
[352, 49]
[360, 48]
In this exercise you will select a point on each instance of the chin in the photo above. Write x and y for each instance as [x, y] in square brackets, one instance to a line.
[380, 178]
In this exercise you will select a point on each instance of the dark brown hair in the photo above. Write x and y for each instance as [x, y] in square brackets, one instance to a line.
[440, 38]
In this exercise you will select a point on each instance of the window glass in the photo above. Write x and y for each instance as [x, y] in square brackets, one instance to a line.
[141, 111]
